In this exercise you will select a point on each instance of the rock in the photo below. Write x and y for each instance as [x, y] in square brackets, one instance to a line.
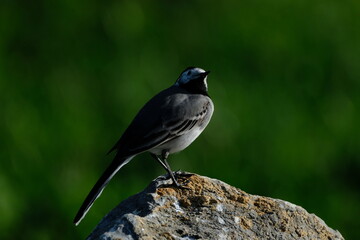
[208, 209]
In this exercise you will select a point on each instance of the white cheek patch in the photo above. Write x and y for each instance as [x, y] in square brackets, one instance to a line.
[205, 83]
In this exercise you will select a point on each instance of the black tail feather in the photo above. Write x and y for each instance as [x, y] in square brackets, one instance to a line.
[95, 192]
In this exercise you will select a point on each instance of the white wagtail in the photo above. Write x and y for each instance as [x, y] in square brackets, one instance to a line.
[167, 124]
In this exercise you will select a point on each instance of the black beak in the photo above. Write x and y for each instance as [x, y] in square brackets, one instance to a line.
[204, 74]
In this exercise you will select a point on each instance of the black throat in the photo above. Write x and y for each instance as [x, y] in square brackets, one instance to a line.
[196, 86]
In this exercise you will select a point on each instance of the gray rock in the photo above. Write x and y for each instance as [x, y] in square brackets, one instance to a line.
[208, 209]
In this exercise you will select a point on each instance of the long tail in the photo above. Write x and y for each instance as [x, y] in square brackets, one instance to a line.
[95, 192]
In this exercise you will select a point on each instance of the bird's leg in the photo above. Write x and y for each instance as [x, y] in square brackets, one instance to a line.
[165, 155]
[159, 160]
[165, 165]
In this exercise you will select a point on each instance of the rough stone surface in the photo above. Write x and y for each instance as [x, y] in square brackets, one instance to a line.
[208, 209]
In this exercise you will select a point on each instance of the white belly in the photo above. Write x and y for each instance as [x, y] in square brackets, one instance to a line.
[179, 143]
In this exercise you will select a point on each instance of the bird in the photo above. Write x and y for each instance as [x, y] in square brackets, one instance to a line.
[168, 123]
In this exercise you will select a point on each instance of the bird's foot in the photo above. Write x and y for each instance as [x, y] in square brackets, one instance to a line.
[179, 179]
[179, 175]
[183, 174]
[181, 185]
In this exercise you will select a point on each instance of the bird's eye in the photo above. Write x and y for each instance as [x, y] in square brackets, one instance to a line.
[189, 72]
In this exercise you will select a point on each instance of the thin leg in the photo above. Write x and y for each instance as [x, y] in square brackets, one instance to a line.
[159, 160]
[165, 155]
[165, 165]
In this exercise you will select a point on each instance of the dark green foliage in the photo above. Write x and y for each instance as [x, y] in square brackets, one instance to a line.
[284, 80]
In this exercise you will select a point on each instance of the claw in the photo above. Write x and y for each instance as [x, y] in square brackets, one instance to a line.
[181, 185]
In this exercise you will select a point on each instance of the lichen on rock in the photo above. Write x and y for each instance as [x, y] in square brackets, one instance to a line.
[207, 209]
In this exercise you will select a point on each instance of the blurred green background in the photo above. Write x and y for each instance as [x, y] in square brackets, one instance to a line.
[285, 83]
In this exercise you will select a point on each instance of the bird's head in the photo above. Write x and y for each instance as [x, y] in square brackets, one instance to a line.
[193, 79]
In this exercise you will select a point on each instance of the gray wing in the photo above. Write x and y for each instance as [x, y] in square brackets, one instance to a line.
[167, 116]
